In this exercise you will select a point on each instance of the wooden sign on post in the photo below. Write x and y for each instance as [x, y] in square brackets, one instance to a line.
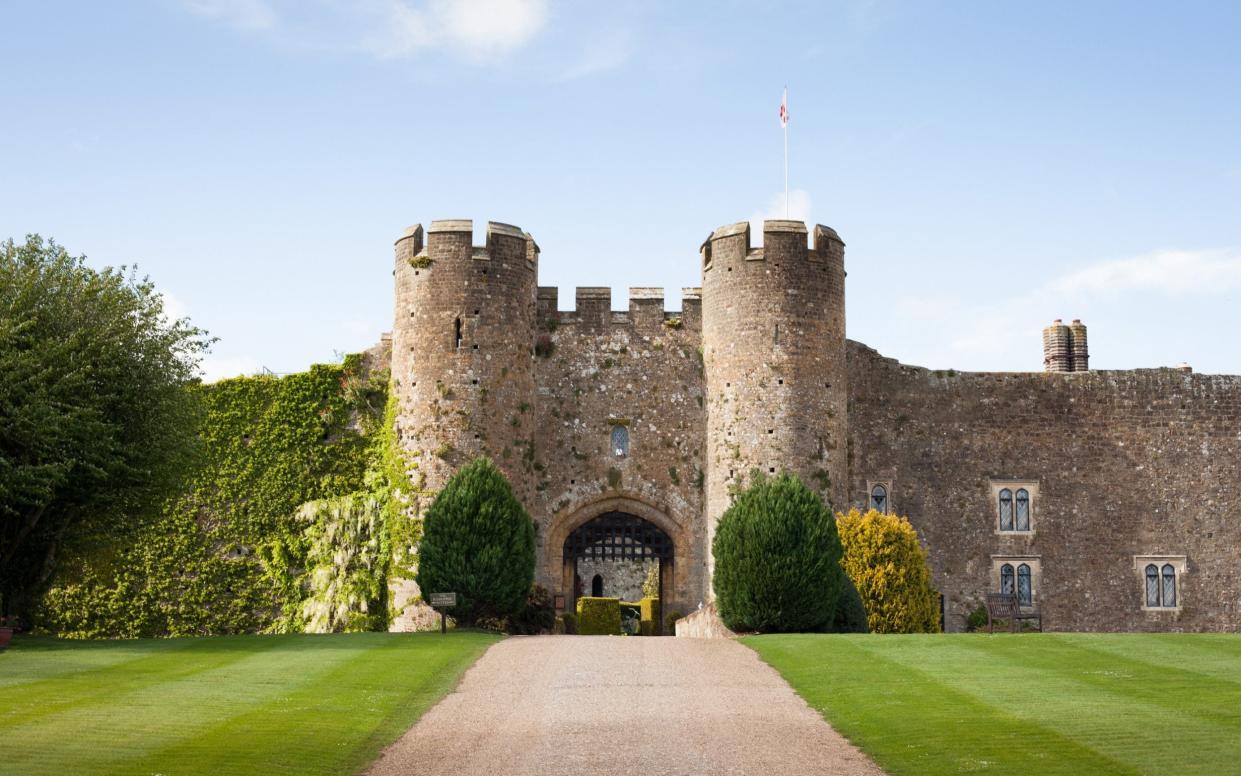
[442, 601]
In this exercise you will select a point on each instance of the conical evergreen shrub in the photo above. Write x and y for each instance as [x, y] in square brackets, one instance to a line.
[777, 559]
[478, 542]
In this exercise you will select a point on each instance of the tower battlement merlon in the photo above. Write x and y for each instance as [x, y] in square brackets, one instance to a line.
[784, 238]
[646, 307]
[453, 239]
[691, 308]
[414, 235]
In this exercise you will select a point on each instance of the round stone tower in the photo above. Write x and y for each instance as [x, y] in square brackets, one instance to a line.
[773, 338]
[462, 363]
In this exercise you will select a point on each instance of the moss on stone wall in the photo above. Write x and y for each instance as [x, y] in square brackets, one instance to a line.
[293, 473]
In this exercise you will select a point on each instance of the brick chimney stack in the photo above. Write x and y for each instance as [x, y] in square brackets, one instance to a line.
[1065, 348]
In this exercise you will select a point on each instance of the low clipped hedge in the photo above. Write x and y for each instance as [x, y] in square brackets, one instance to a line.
[650, 615]
[598, 616]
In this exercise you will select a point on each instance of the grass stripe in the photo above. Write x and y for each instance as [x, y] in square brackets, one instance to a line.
[358, 700]
[911, 723]
[1115, 699]
[245, 704]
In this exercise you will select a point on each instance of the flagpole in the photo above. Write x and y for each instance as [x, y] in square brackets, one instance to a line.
[786, 155]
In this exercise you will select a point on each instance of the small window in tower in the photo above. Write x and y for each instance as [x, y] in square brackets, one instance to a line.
[777, 338]
[457, 334]
[620, 441]
[879, 498]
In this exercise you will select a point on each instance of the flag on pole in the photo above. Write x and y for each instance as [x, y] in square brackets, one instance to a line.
[784, 123]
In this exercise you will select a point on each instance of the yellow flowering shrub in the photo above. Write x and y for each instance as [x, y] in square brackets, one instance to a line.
[889, 568]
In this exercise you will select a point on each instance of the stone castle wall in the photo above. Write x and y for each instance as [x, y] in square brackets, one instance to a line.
[1125, 464]
[462, 368]
[773, 350]
[639, 368]
[755, 373]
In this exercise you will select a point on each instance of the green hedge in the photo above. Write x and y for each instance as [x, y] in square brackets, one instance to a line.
[650, 615]
[599, 616]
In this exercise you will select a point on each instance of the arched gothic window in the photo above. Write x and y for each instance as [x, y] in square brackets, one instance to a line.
[596, 586]
[1006, 579]
[1006, 510]
[1023, 509]
[620, 441]
[1025, 591]
[1152, 585]
[879, 498]
[1169, 585]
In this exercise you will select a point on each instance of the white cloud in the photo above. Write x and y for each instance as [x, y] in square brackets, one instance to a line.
[485, 27]
[995, 330]
[798, 210]
[480, 30]
[223, 367]
[1174, 272]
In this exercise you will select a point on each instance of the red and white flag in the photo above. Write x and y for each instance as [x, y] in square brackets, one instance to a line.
[784, 108]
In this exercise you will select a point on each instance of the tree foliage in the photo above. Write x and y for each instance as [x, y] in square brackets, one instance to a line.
[777, 558]
[478, 541]
[889, 566]
[94, 412]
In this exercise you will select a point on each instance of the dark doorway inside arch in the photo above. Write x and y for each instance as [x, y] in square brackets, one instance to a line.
[613, 550]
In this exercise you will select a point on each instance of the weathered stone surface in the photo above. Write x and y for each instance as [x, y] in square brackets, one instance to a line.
[755, 373]
[1143, 462]
[704, 623]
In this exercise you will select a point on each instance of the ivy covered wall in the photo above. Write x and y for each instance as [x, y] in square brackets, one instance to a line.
[284, 522]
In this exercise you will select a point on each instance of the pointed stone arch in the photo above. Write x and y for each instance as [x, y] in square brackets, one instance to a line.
[678, 575]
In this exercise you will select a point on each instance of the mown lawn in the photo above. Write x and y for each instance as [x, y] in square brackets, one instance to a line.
[1026, 703]
[221, 705]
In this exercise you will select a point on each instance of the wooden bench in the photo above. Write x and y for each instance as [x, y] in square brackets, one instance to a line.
[1004, 606]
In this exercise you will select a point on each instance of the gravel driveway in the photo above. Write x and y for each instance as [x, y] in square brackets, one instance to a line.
[606, 704]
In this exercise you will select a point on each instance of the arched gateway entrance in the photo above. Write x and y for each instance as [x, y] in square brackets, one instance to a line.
[613, 554]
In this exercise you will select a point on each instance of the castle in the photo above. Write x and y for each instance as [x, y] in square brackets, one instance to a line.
[1105, 499]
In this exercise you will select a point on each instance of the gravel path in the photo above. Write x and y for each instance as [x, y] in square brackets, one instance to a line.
[601, 704]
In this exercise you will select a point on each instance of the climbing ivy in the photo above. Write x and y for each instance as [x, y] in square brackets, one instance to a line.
[292, 473]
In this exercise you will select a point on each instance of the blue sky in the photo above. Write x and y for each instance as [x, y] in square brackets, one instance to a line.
[991, 166]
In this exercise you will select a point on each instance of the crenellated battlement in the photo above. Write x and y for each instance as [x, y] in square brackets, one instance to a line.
[449, 239]
[780, 237]
[593, 308]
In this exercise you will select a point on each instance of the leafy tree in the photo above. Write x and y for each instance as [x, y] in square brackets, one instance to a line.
[777, 558]
[889, 566]
[95, 418]
[478, 541]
